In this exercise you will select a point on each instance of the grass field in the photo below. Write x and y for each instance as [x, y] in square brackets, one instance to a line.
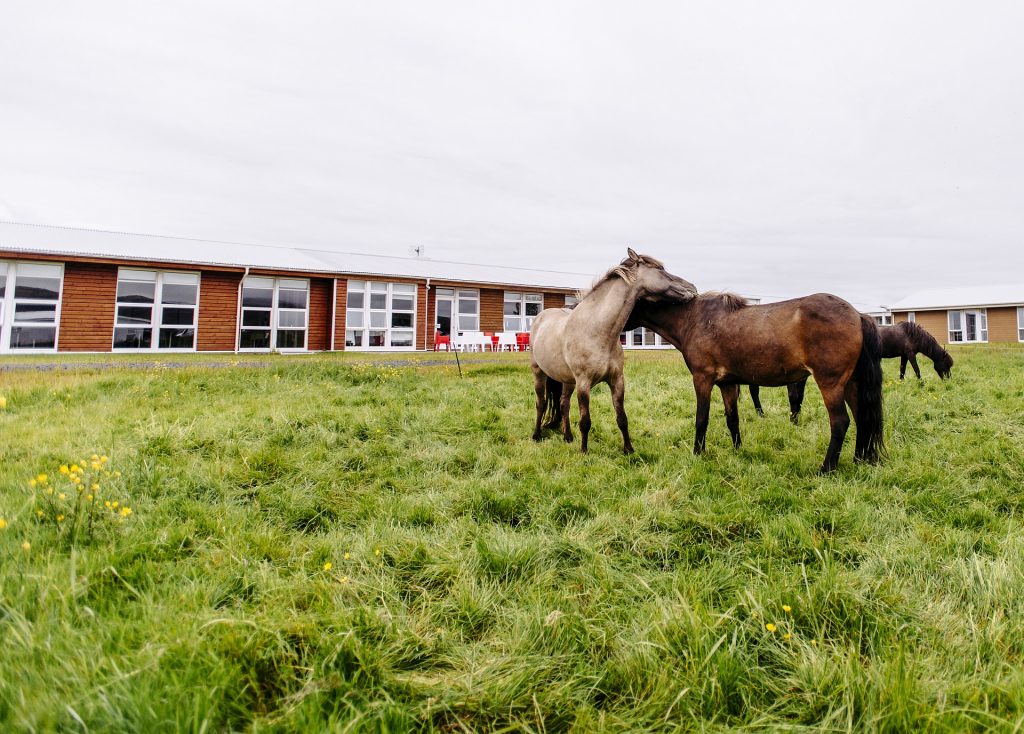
[319, 544]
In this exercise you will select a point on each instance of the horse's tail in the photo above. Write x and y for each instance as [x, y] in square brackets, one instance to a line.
[553, 413]
[868, 377]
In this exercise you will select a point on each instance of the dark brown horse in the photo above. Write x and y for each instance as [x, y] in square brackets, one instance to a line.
[903, 340]
[728, 343]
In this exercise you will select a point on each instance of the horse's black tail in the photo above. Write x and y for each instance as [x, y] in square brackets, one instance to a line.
[553, 413]
[868, 377]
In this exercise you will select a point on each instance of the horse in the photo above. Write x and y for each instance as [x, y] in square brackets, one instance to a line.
[577, 348]
[727, 342]
[904, 340]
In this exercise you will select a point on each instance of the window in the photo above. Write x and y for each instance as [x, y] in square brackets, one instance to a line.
[456, 310]
[29, 306]
[380, 315]
[521, 309]
[641, 338]
[884, 319]
[1020, 323]
[571, 301]
[912, 317]
[156, 310]
[968, 326]
[274, 314]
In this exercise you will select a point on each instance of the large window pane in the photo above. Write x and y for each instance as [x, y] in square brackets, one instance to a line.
[33, 337]
[132, 338]
[258, 297]
[378, 319]
[291, 319]
[354, 338]
[401, 320]
[401, 338]
[376, 338]
[255, 318]
[177, 338]
[289, 339]
[41, 289]
[401, 304]
[178, 316]
[133, 292]
[255, 339]
[379, 301]
[179, 294]
[354, 319]
[355, 300]
[45, 313]
[128, 315]
[291, 299]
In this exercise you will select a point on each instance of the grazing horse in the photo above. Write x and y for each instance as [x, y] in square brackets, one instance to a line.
[727, 342]
[577, 348]
[903, 340]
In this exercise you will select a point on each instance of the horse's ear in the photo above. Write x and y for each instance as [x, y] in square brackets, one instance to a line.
[632, 254]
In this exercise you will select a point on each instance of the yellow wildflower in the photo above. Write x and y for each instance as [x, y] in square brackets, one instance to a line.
[39, 513]
[62, 496]
[31, 482]
[328, 566]
[49, 490]
[107, 504]
[343, 580]
[814, 642]
[41, 479]
[770, 627]
[95, 486]
[3, 523]
[787, 636]
[89, 497]
[64, 469]
[346, 556]
[376, 551]
[3, 402]
[113, 505]
[60, 518]
[26, 546]
[103, 459]
[75, 469]
[786, 608]
[126, 511]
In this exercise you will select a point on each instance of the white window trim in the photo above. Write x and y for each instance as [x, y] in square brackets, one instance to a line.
[1020, 323]
[274, 310]
[7, 310]
[982, 332]
[387, 329]
[157, 315]
[522, 300]
[626, 339]
[456, 296]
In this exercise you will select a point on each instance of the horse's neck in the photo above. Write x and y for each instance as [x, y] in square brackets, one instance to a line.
[610, 305]
[672, 321]
[926, 344]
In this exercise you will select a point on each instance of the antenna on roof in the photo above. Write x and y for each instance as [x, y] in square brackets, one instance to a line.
[417, 250]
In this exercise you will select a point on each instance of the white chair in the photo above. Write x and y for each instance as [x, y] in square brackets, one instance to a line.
[506, 340]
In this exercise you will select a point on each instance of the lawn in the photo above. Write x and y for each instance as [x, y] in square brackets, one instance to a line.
[324, 544]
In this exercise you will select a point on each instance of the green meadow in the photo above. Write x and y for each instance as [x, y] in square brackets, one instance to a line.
[323, 544]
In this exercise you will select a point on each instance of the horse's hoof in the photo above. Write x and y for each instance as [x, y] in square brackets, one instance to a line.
[569, 439]
[536, 437]
[628, 450]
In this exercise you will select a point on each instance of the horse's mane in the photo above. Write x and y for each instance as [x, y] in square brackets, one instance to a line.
[625, 270]
[922, 341]
[724, 300]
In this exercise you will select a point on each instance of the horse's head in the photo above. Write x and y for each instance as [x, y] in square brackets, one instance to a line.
[943, 364]
[653, 281]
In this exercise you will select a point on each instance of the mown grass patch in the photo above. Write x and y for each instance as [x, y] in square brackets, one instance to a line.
[322, 543]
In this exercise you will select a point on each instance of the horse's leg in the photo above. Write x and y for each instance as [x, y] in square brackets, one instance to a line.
[540, 381]
[913, 363]
[702, 387]
[567, 391]
[755, 396]
[618, 384]
[839, 421]
[583, 398]
[730, 396]
[903, 365]
[850, 397]
[795, 391]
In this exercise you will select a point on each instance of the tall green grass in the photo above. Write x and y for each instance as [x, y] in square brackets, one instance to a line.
[479, 581]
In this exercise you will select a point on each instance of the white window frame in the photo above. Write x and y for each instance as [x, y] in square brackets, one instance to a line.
[275, 310]
[883, 319]
[366, 314]
[157, 311]
[642, 338]
[522, 321]
[457, 296]
[912, 316]
[571, 300]
[1020, 323]
[980, 325]
[8, 303]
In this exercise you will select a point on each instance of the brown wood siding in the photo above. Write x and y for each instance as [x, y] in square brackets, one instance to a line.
[1002, 324]
[318, 338]
[492, 309]
[87, 307]
[218, 311]
[935, 323]
[420, 322]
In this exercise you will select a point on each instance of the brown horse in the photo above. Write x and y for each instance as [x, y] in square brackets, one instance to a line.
[578, 348]
[903, 340]
[728, 343]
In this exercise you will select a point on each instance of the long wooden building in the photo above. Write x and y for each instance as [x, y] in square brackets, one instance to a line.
[80, 290]
[967, 315]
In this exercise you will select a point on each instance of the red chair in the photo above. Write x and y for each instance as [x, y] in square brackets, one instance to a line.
[442, 339]
[522, 341]
[494, 340]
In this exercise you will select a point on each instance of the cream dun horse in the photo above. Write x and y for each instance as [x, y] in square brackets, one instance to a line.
[575, 349]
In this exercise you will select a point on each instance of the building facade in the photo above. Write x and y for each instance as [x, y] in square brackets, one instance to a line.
[967, 315]
[73, 290]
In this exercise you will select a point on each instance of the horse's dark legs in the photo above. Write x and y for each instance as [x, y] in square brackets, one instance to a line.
[702, 388]
[618, 402]
[567, 391]
[913, 363]
[795, 391]
[850, 395]
[903, 365]
[540, 382]
[583, 398]
[730, 396]
[839, 421]
[755, 396]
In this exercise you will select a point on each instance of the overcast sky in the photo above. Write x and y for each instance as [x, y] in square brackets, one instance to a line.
[869, 149]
